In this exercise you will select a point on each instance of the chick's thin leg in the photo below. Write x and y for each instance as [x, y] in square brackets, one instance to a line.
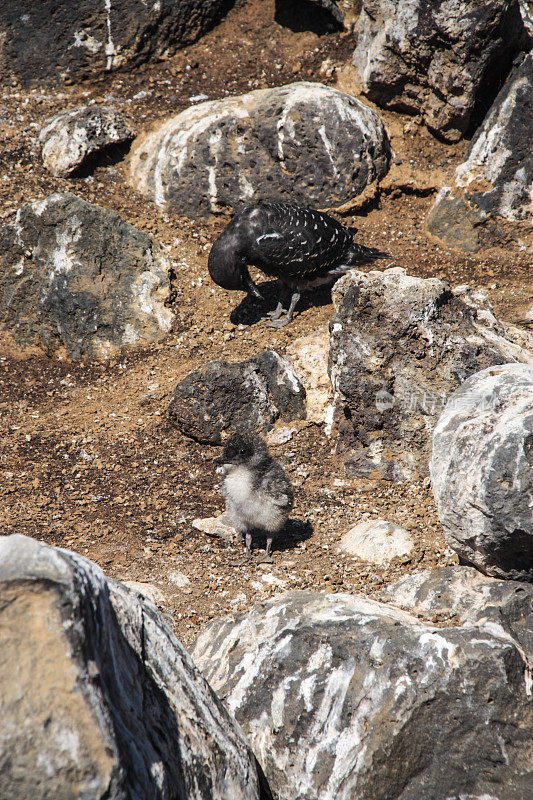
[267, 558]
[248, 554]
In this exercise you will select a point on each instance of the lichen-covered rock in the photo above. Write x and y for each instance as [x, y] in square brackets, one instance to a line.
[77, 280]
[482, 471]
[399, 347]
[436, 57]
[496, 180]
[223, 397]
[98, 699]
[344, 697]
[303, 143]
[54, 40]
[68, 139]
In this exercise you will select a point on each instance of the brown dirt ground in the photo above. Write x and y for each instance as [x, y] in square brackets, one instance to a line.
[87, 458]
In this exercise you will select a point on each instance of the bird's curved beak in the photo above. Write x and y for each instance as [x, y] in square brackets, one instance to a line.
[249, 285]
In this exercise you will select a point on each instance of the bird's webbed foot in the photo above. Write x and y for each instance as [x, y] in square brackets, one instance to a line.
[276, 320]
[279, 322]
[276, 314]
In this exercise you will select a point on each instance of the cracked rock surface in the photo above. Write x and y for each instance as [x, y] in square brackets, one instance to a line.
[495, 182]
[345, 697]
[482, 471]
[399, 346]
[104, 702]
[436, 58]
[303, 143]
[70, 138]
[79, 281]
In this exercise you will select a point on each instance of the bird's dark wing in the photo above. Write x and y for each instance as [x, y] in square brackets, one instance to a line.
[290, 242]
[278, 487]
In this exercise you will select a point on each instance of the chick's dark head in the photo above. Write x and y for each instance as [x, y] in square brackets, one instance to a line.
[244, 448]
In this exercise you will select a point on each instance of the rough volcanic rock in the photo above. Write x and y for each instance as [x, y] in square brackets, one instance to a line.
[309, 356]
[526, 10]
[482, 471]
[435, 57]
[496, 180]
[56, 40]
[344, 697]
[463, 596]
[399, 347]
[78, 280]
[223, 397]
[377, 541]
[70, 138]
[98, 698]
[304, 143]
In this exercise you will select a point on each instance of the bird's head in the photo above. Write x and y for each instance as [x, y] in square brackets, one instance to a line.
[243, 449]
[225, 265]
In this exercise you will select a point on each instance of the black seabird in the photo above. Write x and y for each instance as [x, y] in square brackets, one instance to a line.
[257, 491]
[301, 247]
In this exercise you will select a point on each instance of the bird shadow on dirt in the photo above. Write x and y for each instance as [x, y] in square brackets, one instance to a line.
[251, 311]
[294, 532]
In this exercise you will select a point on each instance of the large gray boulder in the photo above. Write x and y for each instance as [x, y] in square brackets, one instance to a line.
[54, 40]
[435, 57]
[304, 143]
[463, 596]
[69, 139]
[222, 397]
[399, 347]
[496, 179]
[77, 280]
[344, 697]
[482, 471]
[98, 698]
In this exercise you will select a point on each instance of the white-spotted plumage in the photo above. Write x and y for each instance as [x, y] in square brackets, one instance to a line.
[300, 246]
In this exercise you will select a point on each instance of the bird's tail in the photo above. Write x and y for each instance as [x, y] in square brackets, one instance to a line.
[359, 254]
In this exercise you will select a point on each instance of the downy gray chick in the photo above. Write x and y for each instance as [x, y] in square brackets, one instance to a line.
[257, 491]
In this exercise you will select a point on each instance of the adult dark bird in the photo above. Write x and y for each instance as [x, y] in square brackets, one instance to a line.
[257, 491]
[301, 247]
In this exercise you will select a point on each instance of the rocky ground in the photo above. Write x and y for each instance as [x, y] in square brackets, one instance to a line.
[88, 459]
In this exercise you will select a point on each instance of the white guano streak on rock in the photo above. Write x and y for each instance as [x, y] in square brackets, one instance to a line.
[62, 256]
[110, 49]
[300, 94]
[330, 415]
[488, 156]
[83, 39]
[143, 289]
[329, 149]
[253, 670]
[177, 135]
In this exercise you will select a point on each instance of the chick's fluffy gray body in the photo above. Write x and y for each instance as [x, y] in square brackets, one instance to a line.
[257, 491]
